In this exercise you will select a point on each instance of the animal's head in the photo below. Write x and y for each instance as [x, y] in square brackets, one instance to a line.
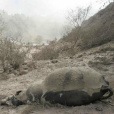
[105, 89]
[18, 99]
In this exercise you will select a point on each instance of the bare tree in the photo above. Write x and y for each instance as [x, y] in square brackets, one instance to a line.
[104, 3]
[12, 53]
[78, 16]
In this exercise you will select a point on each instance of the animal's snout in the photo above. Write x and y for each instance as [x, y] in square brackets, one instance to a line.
[107, 91]
[104, 87]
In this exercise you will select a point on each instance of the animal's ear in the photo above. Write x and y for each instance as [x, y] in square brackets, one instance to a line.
[103, 79]
[18, 92]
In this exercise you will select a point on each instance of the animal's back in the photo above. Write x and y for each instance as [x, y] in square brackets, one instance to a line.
[72, 78]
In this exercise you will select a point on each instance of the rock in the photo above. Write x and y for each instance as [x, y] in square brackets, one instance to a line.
[22, 72]
[79, 56]
[1, 99]
[54, 61]
[99, 109]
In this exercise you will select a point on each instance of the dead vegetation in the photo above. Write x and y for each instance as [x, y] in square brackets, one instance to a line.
[12, 56]
[48, 52]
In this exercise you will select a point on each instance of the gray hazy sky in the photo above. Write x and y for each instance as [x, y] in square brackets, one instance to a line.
[44, 8]
[52, 12]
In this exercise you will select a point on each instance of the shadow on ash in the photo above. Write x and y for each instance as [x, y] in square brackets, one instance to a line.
[70, 86]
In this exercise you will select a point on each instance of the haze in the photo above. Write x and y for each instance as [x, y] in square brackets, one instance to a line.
[49, 16]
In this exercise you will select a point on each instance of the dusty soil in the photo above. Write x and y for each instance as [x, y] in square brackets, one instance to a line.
[101, 59]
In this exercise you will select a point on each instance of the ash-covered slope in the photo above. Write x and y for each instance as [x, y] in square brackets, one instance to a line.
[95, 31]
[102, 23]
[105, 16]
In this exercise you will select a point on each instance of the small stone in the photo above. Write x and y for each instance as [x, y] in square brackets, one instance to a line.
[79, 56]
[99, 109]
[54, 61]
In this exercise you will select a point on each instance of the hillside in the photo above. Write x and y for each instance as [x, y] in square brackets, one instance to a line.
[95, 31]
[103, 23]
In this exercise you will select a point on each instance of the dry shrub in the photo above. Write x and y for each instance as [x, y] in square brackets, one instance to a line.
[53, 51]
[66, 48]
[11, 54]
[48, 52]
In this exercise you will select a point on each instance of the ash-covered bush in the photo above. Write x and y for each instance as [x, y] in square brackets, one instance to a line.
[12, 54]
[48, 52]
